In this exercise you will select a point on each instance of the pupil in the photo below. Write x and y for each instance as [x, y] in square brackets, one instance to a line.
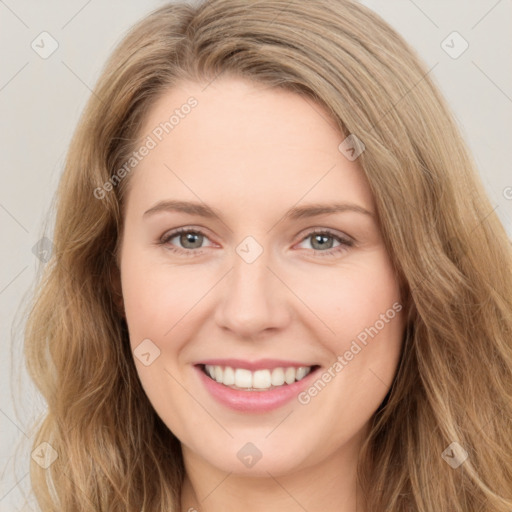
[323, 240]
[189, 238]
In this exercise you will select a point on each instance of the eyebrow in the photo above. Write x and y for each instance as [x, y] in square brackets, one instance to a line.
[295, 213]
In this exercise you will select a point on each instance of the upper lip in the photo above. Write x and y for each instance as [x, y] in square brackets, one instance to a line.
[260, 364]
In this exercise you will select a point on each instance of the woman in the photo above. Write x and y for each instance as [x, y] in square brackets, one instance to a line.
[257, 368]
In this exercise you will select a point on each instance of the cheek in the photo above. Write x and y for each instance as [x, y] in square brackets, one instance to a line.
[353, 298]
[157, 296]
[156, 299]
[363, 309]
[360, 304]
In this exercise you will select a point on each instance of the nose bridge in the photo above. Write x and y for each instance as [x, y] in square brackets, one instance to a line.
[251, 299]
[250, 276]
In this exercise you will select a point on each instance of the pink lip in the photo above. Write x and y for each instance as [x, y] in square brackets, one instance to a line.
[254, 401]
[261, 364]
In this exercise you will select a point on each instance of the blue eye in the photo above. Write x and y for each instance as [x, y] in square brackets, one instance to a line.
[191, 242]
[189, 239]
[324, 247]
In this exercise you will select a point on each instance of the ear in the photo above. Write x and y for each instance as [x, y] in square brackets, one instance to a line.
[116, 288]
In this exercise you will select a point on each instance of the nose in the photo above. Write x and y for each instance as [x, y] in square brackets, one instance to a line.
[253, 300]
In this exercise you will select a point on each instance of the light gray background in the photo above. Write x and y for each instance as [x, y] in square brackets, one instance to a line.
[41, 100]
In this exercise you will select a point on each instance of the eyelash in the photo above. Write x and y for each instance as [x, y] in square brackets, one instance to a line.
[345, 243]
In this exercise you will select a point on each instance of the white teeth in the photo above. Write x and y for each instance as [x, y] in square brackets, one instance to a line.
[277, 377]
[302, 371]
[243, 378]
[229, 376]
[260, 379]
[289, 375]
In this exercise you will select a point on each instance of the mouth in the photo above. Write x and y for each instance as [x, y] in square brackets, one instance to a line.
[266, 379]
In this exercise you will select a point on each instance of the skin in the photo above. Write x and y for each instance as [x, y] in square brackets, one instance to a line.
[252, 153]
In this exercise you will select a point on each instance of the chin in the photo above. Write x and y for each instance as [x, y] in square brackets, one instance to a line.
[256, 459]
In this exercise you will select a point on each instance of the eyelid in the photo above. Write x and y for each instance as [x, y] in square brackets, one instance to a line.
[345, 241]
[185, 229]
[332, 232]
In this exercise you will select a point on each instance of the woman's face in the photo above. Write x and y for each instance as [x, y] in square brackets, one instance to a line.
[266, 282]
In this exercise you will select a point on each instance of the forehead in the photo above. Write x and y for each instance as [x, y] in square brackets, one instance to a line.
[249, 107]
[245, 144]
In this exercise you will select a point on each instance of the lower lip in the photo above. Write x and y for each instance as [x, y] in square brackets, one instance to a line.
[254, 401]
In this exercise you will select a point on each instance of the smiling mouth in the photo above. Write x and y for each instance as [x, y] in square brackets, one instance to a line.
[259, 380]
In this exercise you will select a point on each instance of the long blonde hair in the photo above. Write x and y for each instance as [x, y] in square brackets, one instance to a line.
[454, 381]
